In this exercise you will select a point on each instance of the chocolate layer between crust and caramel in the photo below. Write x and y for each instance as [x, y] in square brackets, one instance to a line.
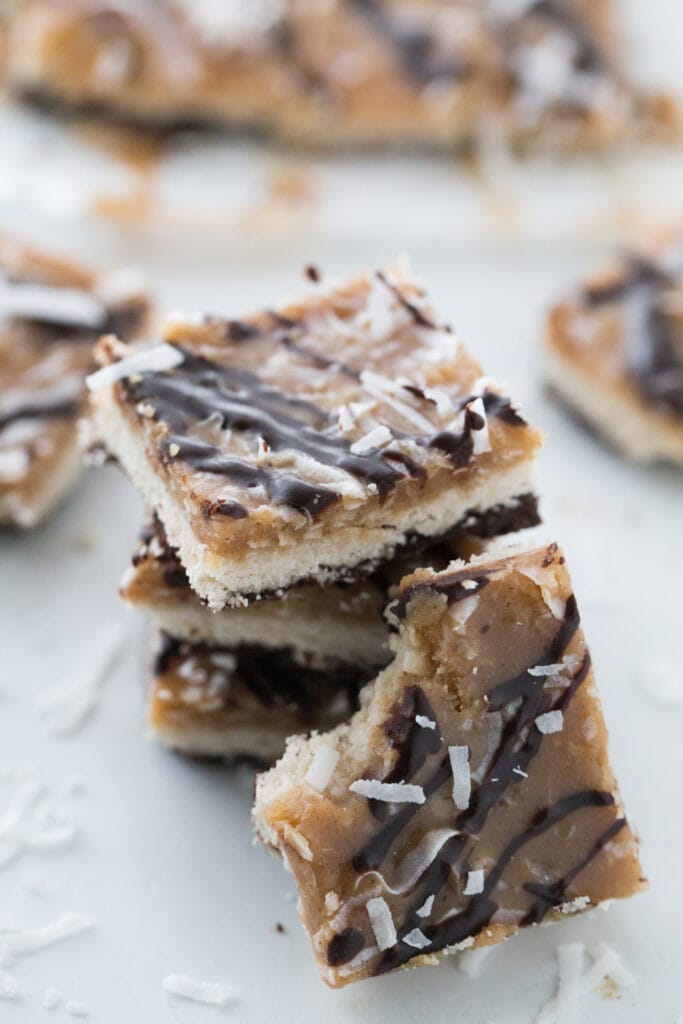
[51, 313]
[302, 443]
[360, 72]
[614, 353]
[209, 700]
[472, 794]
[342, 621]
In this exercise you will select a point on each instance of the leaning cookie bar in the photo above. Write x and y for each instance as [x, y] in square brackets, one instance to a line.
[51, 313]
[313, 441]
[344, 72]
[613, 353]
[472, 794]
[207, 700]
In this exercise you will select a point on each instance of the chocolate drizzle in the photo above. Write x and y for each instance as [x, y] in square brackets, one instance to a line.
[243, 402]
[449, 584]
[416, 47]
[525, 699]
[652, 348]
[273, 677]
[41, 404]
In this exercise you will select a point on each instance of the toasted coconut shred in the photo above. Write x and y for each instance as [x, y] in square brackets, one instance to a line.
[574, 982]
[462, 780]
[212, 993]
[381, 922]
[154, 358]
[389, 792]
[322, 768]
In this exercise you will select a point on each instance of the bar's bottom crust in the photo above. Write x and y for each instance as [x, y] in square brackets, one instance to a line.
[615, 412]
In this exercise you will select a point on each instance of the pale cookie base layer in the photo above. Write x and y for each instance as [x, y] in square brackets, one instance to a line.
[263, 745]
[315, 558]
[276, 624]
[641, 434]
[46, 494]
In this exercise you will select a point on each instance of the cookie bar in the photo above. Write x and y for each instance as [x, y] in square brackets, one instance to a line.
[344, 72]
[614, 353]
[472, 793]
[213, 701]
[340, 622]
[311, 441]
[51, 313]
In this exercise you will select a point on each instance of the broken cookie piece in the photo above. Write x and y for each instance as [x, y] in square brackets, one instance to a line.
[472, 794]
[614, 353]
[343, 72]
[311, 442]
[212, 701]
[51, 313]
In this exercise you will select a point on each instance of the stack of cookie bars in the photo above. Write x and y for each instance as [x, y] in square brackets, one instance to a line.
[296, 464]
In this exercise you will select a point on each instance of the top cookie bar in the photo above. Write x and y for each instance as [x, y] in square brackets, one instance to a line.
[343, 72]
[309, 441]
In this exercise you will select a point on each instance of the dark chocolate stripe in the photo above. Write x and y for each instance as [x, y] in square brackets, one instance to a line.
[51, 404]
[549, 896]
[245, 403]
[415, 47]
[482, 907]
[588, 56]
[449, 584]
[652, 348]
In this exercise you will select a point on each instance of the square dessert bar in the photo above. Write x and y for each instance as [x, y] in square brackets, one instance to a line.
[471, 795]
[312, 441]
[51, 313]
[341, 622]
[614, 353]
[208, 700]
[344, 72]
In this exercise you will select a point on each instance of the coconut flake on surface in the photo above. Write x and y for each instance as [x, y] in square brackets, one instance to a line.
[14, 462]
[77, 1009]
[33, 822]
[546, 670]
[69, 705]
[426, 908]
[462, 780]
[52, 997]
[213, 993]
[389, 792]
[152, 359]
[481, 442]
[298, 841]
[475, 882]
[519, 771]
[382, 922]
[50, 304]
[375, 438]
[550, 722]
[494, 735]
[17, 942]
[417, 939]
[471, 961]
[322, 767]
[413, 866]
[424, 722]
[461, 610]
[8, 986]
[564, 1007]
[606, 963]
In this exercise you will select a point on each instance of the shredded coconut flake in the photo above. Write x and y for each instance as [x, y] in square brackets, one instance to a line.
[475, 882]
[52, 997]
[382, 922]
[471, 960]
[322, 767]
[462, 781]
[76, 1009]
[550, 722]
[213, 993]
[15, 943]
[299, 842]
[68, 306]
[424, 722]
[375, 438]
[69, 705]
[426, 908]
[417, 939]
[152, 359]
[389, 792]
[563, 1009]
[8, 986]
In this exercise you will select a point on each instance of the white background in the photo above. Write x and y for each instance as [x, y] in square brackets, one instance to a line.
[163, 859]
